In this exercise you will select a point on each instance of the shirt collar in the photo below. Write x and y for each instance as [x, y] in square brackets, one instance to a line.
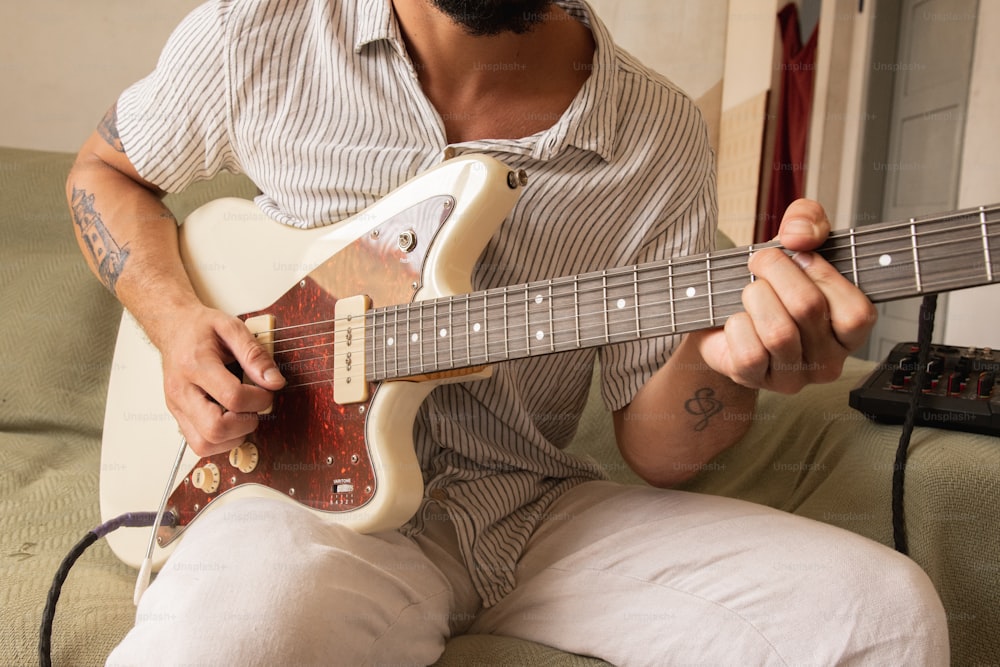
[590, 123]
[374, 21]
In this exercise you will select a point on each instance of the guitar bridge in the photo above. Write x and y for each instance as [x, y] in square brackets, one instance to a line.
[349, 382]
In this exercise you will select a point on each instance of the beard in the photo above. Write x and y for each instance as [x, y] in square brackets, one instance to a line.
[492, 17]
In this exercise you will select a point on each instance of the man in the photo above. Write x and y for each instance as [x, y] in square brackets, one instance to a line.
[328, 104]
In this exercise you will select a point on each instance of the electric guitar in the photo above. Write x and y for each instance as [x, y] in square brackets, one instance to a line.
[361, 354]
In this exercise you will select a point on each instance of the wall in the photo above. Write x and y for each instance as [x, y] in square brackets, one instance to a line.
[682, 39]
[63, 63]
[749, 69]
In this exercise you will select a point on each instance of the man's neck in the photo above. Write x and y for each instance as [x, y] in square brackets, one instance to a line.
[499, 86]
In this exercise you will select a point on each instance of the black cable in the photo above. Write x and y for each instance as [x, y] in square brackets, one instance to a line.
[925, 330]
[45, 633]
[132, 520]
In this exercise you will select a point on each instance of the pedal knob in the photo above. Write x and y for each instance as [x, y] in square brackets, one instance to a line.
[244, 458]
[986, 382]
[206, 478]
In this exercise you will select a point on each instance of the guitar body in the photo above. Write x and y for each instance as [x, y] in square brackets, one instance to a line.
[351, 462]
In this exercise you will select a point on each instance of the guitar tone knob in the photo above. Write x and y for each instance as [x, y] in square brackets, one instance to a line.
[206, 478]
[245, 457]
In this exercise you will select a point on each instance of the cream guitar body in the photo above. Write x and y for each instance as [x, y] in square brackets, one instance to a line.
[350, 461]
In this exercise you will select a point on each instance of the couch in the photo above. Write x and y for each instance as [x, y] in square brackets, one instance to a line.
[809, 454]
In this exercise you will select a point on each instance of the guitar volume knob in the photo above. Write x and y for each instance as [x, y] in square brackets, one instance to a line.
[206, 478]
[245, 457]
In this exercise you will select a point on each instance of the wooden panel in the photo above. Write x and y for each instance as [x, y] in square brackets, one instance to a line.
[740, 149]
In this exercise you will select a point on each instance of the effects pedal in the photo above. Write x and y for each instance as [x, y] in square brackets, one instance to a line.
[960, 392]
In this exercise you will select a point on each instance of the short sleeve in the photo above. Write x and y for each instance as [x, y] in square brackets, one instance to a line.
[626, 367]
[175, 123]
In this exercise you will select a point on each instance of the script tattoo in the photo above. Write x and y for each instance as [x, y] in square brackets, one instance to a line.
[703, 404]
[108, 129]
[109, 257]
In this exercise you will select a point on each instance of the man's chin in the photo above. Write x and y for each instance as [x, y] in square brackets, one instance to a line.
[494, 17]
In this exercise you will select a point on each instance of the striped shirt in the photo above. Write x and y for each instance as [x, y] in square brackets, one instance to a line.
[319, 104]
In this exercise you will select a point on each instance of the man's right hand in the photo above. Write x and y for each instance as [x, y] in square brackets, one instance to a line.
[138, 260]
[213, 407]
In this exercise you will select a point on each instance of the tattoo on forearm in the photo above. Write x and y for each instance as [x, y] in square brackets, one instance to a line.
[108, 129]
[703, 404]
[109, 257]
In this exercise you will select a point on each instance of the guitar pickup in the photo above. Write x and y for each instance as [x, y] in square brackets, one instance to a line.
[349, 382]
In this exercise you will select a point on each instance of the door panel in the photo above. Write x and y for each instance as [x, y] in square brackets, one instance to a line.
[927, 119]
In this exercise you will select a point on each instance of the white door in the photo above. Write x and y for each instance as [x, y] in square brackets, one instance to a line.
[932, 71]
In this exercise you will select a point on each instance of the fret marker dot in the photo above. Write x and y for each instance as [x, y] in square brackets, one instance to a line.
[391, 342]
[885, 260]
[444, 333]
[540, 335]
[415, 337]
[476, 327]
[539, 299]
[691, 291]
[620, 304]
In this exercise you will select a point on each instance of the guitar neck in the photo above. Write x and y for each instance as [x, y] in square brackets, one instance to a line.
[887, 262]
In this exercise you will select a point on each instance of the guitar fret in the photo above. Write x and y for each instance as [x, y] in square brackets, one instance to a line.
[486, 326]
[374, 346]
[405, 343]
[711, 305]
[984, 230]
[506, 339]
[576, 310]
[468, 331]
[552, 330]
[749, 255]
[854, 258]
[635, 299]
[434, 338]
[527, 322]
[410, 333]
[450, 331]
[670, 296]
[606, 307]
[916, 255]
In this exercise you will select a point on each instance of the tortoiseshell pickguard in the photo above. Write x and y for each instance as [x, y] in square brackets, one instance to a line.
[311, 449]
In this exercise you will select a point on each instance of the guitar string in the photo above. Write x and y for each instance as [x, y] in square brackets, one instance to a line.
[678, 278]
[698, 261]
[677, 314]
[416, 363]
[419, 368]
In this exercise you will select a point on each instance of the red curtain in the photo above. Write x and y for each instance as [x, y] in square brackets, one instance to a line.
[798, 69]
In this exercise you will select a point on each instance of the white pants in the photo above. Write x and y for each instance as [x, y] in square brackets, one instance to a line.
[636, 576]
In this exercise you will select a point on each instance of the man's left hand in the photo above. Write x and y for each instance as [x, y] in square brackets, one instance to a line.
[801, 317]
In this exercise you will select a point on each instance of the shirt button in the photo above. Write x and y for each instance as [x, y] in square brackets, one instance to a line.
[449, 153]
[439, 494]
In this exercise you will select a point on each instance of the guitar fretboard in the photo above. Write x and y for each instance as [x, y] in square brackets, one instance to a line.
[887, 262]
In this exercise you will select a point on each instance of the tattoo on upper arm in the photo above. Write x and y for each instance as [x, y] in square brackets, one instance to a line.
[108, 129]
[703, 404]
[109, 257]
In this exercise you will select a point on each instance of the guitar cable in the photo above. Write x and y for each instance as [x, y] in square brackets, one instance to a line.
[925, 329]
[127, 520]
[160, 517]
